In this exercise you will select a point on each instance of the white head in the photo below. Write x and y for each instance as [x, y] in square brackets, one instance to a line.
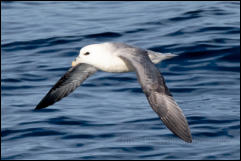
[102, 57]
[89, 54]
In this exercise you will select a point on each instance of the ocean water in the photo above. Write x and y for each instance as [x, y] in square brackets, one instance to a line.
[108, 117]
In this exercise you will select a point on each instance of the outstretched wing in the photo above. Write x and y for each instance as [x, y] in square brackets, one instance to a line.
[67, 84]
[157, 93]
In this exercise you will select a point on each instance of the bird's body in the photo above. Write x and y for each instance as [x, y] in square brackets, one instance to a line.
[119, 57]
[106, 56]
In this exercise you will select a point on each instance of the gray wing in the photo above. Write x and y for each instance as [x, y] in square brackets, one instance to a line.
[67, 84]
[157, 93]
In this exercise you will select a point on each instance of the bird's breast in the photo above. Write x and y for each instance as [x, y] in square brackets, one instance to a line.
[114, 64]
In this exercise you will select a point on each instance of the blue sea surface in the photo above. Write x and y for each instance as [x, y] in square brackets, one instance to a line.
[109, 117]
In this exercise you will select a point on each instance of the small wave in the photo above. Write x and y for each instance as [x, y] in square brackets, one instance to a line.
[9, 134]
[34, 44]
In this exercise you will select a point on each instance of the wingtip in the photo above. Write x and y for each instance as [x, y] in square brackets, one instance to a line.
[40, 106]
[185, 136]
[37, 108]
[188, 140]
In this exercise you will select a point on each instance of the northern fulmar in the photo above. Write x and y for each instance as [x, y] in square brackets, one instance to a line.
[120, 57]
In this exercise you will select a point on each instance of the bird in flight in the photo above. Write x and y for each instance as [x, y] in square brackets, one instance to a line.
[119, 57]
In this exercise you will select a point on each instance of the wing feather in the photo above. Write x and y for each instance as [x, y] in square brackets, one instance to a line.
[157, 93]
[67, 84]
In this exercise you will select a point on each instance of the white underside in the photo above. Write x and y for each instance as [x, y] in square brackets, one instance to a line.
[116, 64]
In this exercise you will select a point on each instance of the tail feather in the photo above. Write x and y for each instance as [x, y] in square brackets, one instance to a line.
[158, 57]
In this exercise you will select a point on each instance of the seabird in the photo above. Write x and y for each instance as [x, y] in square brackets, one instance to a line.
[120, 57]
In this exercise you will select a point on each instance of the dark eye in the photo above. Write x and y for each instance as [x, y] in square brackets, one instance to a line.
[87, 53]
